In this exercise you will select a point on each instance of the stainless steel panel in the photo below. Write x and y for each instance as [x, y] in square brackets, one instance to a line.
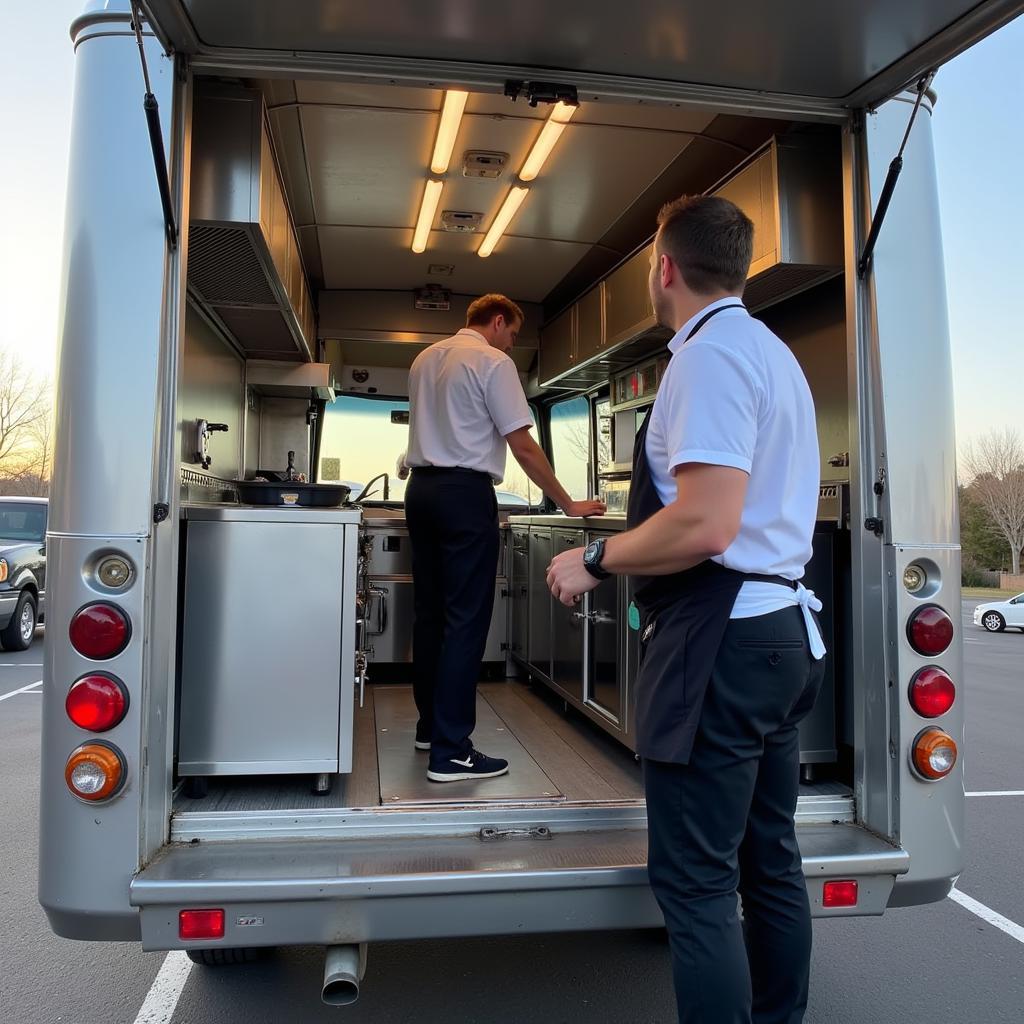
[393, 614]
[818, 730]
[261, 679]
[392, 551]
[403, 769]
[567, 628]
[539, 646]
[519, 588]
[820, 56]
[606, 643]
[210, 388]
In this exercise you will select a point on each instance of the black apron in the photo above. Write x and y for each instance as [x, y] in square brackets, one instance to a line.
[683, 618]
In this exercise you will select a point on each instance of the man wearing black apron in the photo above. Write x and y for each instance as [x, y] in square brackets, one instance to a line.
[721, 514]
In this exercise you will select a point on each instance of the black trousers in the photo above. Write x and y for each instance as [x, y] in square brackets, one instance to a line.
[724, 823]
[453, 526]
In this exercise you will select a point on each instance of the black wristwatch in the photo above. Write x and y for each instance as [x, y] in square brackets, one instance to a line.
[592, 556]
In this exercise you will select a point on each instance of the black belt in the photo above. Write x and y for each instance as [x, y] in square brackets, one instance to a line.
[440, 470]
[754, 577]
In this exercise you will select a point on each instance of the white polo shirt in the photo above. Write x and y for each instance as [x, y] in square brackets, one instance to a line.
[735, 395]
[464, 398]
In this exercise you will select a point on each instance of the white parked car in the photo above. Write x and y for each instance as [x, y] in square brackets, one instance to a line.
[995, 616]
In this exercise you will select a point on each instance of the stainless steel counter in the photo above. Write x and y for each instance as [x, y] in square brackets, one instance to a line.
[272, 514]
[605, 524]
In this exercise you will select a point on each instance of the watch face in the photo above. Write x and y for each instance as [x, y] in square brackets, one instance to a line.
[593, 549]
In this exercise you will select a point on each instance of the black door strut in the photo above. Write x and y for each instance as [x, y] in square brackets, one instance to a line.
[864, 263]
[156, 137]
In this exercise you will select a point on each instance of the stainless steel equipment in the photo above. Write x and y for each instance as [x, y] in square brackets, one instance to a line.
[388, 596]
[268, 642]
[519, 593]
[567, 628]
[539, 644]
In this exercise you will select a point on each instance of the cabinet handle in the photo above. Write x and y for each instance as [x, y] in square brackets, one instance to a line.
[581, 615]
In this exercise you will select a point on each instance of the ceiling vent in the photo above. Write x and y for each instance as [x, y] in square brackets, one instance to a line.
[478, 163]
[461, 222]
[433, 296]
[440, 270]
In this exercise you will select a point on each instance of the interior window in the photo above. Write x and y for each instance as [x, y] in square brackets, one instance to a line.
[360, 441]
[517, 490]
[570, 445]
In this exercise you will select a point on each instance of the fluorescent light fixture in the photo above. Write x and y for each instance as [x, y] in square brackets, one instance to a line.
[508, 210]
[448, 129]
[425, 221]
[549, 135]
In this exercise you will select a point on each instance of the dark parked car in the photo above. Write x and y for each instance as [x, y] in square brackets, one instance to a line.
[22, 570]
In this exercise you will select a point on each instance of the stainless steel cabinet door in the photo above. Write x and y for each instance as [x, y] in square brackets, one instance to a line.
[519, 593]
[605, 657]
[261, 649]
[539, 655]
[567, 628]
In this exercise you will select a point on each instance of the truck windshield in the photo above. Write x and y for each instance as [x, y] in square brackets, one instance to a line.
[360, 441]
[22, 521]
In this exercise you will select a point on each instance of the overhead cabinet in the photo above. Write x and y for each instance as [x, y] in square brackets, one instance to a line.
[790, 189]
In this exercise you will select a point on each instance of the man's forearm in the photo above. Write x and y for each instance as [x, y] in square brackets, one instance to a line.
[670, 541]
[537, 467]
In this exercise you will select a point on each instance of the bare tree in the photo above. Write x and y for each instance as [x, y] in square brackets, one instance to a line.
[996, 463]
[24, 405]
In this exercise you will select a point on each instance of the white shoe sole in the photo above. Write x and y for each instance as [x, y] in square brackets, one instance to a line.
[420, 745]
[463, 776]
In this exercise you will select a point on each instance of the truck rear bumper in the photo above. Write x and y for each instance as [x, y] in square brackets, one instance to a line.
[323, 892]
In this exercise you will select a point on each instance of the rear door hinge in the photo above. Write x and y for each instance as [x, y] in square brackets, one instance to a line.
[161, 510]
[874, 525]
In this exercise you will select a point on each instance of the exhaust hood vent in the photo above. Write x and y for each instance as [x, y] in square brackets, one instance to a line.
[460, 221]
[244, 266]
[480, 164]
[433, 297]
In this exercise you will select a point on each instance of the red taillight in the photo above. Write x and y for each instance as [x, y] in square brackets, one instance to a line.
[932, 692]
[839, 894]
[100, 631]
[201, 924]
[97, 702]
[930, 630]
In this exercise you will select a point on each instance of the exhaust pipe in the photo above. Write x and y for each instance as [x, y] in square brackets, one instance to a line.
[344, 967]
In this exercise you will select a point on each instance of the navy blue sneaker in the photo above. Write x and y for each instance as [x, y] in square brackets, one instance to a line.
[473, 765]
[422, 737]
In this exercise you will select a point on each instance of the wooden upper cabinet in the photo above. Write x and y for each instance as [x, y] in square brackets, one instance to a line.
[627, 301]
[590, 336]
[754, 191]
[557, 347]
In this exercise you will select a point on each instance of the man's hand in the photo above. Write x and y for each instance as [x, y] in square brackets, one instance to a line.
[582, 509]
[567, 576]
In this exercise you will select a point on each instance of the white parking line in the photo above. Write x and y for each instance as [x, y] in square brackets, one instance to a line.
[24, 689]
[166, 990]
[987, 914]
[997, 792]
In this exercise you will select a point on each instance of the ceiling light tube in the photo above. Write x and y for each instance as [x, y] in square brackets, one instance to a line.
[549, 135]
[508, 210]
[425, 221]
[448, 129]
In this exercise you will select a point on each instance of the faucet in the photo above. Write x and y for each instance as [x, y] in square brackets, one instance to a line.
[365, 492]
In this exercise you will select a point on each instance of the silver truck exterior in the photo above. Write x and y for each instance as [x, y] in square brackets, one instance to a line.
[109, 872]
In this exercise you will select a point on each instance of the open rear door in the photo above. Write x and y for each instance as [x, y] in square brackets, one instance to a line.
[789, 56]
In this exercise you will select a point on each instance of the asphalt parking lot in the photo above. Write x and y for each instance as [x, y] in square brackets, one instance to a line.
[944, 962]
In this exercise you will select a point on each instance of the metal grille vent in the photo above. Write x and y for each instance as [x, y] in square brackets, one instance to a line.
[783, 280]
[224, 267]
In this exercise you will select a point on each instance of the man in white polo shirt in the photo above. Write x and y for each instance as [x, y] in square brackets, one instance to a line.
[722, 505]
[466, 407]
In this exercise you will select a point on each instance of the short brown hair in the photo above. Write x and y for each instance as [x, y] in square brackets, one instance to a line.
[710, 239]
[483, 310]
